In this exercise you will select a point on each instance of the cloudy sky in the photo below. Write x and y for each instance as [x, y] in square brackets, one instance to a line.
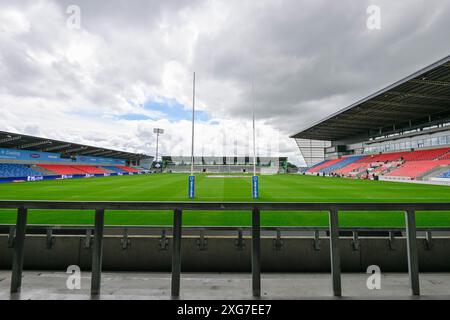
[128, 67]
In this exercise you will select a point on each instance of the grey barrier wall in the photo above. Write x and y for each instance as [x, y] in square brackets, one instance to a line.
[228, 254]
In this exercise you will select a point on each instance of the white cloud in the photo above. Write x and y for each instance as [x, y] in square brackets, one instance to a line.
[306, 59]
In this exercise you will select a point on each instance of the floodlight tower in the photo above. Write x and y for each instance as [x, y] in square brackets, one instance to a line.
[158, 131]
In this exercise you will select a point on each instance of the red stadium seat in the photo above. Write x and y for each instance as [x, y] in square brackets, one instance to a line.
[61, 169]
[351, 167]
[431, 154]
[382, 157]
[72, 169]
[90, 169]
[445, 156]
[323, 165]
[414, 169]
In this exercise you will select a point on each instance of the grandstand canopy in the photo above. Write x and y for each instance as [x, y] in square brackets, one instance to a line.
[25, 142]
[420, 99]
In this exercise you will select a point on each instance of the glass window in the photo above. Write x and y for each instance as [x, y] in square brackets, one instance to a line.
[420, 144]
[434, 141]
[442, 140]
[407, 144]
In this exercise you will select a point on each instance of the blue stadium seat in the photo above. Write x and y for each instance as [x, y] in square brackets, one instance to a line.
[338, 165]
[445, 175]
[317, 164]
[11, 170]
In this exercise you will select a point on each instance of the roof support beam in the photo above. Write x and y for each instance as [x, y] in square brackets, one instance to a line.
[331, 131]
[34, 144]
[9, 139]
[113, 154]
[364, 120]
[61, 146]
[412, 106]
[351, 125]
[418, 95]
[102, 153]
[431, 82]
[75, 149]
[89, 152]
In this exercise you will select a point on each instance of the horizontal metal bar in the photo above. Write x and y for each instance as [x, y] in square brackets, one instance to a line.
[220, 206]
[4, 228]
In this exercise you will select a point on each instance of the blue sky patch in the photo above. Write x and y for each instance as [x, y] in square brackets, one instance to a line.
[175, 111]
[135, 117]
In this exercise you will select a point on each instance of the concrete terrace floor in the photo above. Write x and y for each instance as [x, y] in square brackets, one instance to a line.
[38, 285]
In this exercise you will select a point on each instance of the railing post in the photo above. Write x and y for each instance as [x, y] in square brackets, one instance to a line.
[334, 253]
[97, 252]
[176, 252]
[256, 252]
[19, 241]
[413, 260]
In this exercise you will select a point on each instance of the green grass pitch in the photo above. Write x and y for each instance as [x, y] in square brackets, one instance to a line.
[173, 187]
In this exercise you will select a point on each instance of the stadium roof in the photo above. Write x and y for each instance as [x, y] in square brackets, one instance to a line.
[422, 98]
[25, 142]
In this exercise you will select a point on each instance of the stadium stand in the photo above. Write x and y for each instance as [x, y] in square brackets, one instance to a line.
[414, 169]
[61, 169]
[341, 164]
[350, 168]
[127, 169]
[8, 170]
[90, 169]
[430, 154]
[402, 164]
[113, 169]
[42, 171]
[83, 169]
[409, 164]
[316, 165]
[445, 156]
[382, 157]
[403, 144]
[323, 165]
[28, 158]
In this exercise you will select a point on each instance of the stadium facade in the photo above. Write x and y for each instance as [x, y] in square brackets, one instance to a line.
[225, 164]
[404, 122]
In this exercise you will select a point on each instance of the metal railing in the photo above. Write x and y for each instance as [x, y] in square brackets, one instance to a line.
[255, 207]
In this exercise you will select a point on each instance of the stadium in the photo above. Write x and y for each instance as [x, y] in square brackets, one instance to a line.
[401, 134]
[371, 161]
[209, 151]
